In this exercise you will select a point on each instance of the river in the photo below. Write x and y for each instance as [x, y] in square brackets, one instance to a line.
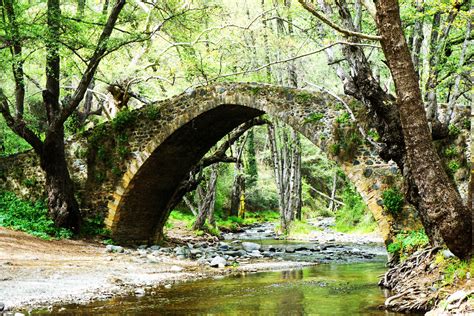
[343, 283]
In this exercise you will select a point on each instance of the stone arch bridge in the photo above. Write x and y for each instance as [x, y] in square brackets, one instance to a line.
[128, 169]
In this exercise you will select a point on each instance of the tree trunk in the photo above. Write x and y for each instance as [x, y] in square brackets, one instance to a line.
[206, 201]
[362, 85]
[286, 157]
[62, 204]
[442, 203]
[332, 203]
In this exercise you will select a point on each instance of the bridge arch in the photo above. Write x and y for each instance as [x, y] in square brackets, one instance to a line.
[190, 124]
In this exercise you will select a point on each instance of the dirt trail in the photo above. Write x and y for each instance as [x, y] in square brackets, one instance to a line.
[38, 273]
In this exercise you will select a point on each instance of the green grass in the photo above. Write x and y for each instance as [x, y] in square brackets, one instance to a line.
[29, 217]
[453, 268]
[300, 229]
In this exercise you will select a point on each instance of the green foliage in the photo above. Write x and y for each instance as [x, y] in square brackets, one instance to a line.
[93, 226]
[72, 124]
[98, 135]
[451, 151]
[152, 112]
[343, 119]
[354, 215]
[393, 200]
[299, 229]
[453, 269]
[374, 134]
[28, 217]
[453, 166]
[303, 97]
[407, 242]
[124, 119]
[453, 130]
[10, 143]
[314, 117]
[255, 90]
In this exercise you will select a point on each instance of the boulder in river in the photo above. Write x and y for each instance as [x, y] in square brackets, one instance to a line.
[250, 246]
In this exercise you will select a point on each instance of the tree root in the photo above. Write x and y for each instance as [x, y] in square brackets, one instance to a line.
[412, 283]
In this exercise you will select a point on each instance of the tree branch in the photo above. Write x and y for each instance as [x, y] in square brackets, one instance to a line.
[99, 52]
[314, 11]
[19, 126]
[17, 66]
[291, 59]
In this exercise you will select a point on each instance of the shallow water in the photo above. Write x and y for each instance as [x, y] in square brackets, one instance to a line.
[326, 289]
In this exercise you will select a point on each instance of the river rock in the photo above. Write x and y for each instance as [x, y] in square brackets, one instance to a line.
[233, 253]
[255, 254]
[223, 246]
[112, 248]
[202, 261]
[290, 249]
[250, 246]
[196, 253]
[154, 247]
[2, 306]
[447, 254]
[218, 262]
[182, 252]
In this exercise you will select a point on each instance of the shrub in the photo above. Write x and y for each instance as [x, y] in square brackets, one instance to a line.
[29, 217]
[393, 200]
[124, 119]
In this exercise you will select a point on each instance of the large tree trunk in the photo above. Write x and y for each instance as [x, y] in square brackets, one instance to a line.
[441, 202]
[62, 204]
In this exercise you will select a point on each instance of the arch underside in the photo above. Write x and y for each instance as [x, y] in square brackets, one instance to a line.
[143, 209]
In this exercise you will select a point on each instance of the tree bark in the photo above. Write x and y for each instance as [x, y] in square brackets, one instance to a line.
[441, 202]
[62, 204]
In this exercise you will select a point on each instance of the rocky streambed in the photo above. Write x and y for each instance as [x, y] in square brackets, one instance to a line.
[49, 274]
